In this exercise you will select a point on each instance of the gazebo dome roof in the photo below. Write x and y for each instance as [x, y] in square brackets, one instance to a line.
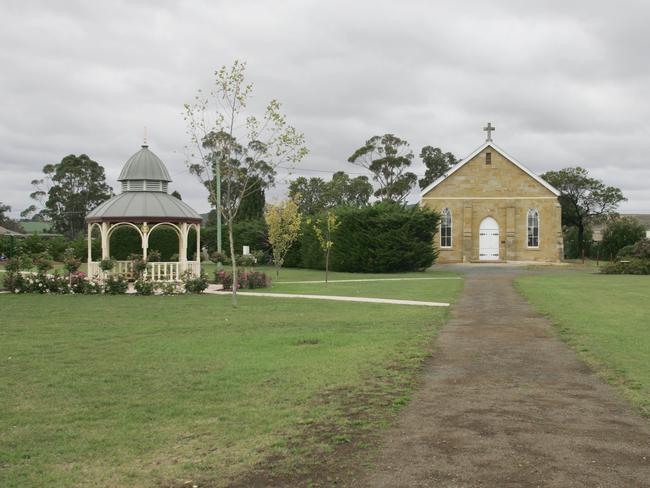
[143, 206]
[144, 196]
[144, 165]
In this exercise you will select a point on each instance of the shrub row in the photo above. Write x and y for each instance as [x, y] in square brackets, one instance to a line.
[633, 266]
[634, 259]
[56, 283]
[125, 241]
[55, 246]
[251, 233]
[114, 284]
[245, 280]
[382, 238]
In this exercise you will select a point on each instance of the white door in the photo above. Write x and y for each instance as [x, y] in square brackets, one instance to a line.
[488, 240]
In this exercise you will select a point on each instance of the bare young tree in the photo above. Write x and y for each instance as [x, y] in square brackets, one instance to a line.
[232, 151]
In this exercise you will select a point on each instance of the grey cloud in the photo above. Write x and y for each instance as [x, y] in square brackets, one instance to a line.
[564, 82]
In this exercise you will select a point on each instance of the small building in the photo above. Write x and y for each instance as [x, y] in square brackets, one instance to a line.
[10, 233]
[598, 228]
[495, 209]
[145, 205]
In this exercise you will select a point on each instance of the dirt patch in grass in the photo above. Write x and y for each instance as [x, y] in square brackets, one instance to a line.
[328, 451]
[325, 451]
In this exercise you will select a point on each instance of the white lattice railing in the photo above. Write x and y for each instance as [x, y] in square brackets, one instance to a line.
[93, 269]
[156, 271]
[162, 271]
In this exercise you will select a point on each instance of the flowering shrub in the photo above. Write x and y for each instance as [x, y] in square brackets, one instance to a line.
[78, 282]
[42, 262]
[106, 264]
[246, 260]
[70, 262]
[139, 264]
[254, 279]
[246, 280]
[153, 256]
[40, 283]
[219, 257]
[144, 287]
[169, 288]
[194, 284]
[632, 266]
[13, 281]
[642, 249]
[224, 278]
[21, 262]
[91, 287]
[115, 284]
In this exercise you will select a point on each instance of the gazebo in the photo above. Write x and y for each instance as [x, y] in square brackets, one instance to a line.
[145, 206]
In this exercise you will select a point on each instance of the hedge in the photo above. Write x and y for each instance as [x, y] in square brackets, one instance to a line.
[126, 241]
[382, 238]
[245, 233]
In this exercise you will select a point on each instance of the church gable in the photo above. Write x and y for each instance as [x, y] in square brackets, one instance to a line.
[489, 172]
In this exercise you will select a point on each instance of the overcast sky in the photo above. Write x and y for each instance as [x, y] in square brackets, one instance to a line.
[564, 84]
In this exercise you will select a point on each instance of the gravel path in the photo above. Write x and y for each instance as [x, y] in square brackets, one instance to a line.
[505, 403]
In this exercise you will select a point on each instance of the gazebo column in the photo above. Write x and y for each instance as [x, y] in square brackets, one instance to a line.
[197, 227]
[182, 247]
[90, 247]
[106, 243]
[145, 240]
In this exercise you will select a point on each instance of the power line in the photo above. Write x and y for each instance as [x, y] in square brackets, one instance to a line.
[311, 170]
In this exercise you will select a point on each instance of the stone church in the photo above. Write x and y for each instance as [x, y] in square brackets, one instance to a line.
[494, 209]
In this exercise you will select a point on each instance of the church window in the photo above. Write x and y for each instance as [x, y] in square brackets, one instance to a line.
[445, 228]
[488, 158]
[533, 228]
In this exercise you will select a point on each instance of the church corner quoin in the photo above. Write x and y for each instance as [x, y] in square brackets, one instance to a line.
[494, 209]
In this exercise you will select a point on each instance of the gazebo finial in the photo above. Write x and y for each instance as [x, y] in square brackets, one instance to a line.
[144, 143]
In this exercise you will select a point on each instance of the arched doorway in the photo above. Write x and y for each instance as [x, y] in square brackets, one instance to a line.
[488, 240]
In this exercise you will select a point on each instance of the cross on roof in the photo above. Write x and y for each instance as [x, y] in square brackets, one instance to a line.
[489, 130]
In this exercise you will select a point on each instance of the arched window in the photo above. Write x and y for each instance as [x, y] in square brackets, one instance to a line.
[533, 228]
[445, 228]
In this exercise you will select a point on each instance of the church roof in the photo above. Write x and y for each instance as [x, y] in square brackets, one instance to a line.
[144, 165]
[491, 144]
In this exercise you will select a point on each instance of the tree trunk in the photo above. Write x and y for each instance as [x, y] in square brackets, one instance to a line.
[234, 265]
[327, 265]
[581, 240]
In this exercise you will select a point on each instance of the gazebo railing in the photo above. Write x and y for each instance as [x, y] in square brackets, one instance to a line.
[156, 271]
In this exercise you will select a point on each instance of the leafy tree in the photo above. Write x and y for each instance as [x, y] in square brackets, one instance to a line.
[584, 199]
[252, 205]
[244, 149]
[283, 221]
[6, 221]
[352, 192]
[309, 194]
[324, 230]
[621, 232]
[75, 186]
[314, 195]
[387, 157]
[437, 163]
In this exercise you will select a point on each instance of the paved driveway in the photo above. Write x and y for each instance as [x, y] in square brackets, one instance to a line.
[505, 403]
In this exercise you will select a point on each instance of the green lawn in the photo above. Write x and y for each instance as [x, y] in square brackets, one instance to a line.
[135, 391]
[605, 318]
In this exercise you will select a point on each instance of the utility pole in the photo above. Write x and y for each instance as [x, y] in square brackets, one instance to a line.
[216, 170]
